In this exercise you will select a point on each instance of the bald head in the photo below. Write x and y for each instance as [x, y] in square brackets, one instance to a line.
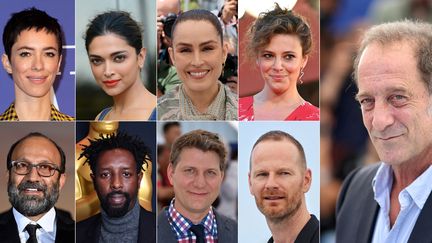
[164, 7]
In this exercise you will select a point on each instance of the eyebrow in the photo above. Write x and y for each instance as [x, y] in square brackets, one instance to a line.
[32, 49]
[387, 90]
[111, 55]
[201, 44]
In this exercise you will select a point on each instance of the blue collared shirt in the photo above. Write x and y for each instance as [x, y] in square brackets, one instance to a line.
[46, 233]
[411, 200]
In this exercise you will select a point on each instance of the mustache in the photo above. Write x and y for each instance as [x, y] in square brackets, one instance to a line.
[111, 194]
[273, 192]
[33, 185]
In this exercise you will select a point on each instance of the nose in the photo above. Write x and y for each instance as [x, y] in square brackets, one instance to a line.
[271, 182]
[116, 182]
[382, 116]
[199, 181]
[197, 59]
[33, 175]
[108, 72]
[277, 64]
[37, 64]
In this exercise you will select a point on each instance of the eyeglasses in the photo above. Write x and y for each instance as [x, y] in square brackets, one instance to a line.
[22, 167]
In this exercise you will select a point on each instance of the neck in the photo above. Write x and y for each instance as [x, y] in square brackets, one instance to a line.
[287, 230]
[196, 218]
[131, 97]
[31, 108]
[288, 97]
[202, 99]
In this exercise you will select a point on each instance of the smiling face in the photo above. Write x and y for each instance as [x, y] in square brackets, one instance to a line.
[31, 194]
[278, 181]
[34, 63]
[196, 179]
[198, 55]
[395, 103]
[114, 63]
[280, 62]
[116, 181]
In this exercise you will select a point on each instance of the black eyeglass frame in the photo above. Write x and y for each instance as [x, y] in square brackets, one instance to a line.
[37, 166]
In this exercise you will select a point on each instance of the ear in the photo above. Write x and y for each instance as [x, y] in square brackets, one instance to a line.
[225, 51]
[62, 180]
[141, 57]
[307, 180]
[304, 61]
[170, 172]
[6, 64]
[171, 54]
[140, 176]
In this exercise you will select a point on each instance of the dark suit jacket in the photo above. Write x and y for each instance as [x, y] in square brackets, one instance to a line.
[227, 229]
[65, 228]
[357, 210]
[88, 230]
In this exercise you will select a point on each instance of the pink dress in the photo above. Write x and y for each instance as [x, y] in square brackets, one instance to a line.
[304, 112]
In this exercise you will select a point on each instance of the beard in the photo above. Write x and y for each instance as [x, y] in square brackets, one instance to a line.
[279, 214]
[32, 205]
[111, 210]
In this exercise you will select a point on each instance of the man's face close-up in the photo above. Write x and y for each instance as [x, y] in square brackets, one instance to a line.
[196, 180]
[278, 181]
[116, 181]
[395, 102]
[33, 194]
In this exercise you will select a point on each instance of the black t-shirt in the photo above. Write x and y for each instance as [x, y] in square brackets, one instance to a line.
[309, 233]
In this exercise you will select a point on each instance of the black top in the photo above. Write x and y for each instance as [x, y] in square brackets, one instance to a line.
[309, 233]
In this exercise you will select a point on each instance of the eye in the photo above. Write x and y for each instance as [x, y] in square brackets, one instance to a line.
[25, 54]
[21, 165]
[289, 56]
[51, 54]
[284, 173]
[267, 55]
[366, 103]
[127, 174]
[104, 175]
[184, 50]
[398, 100]
[189, 171]
[208, 48]
[261, 174]
[119, 58]
[96, 61]
[211, 173]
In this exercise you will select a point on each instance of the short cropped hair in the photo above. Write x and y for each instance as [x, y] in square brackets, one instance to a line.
[121, 140]
[168, 125]
[277, 135]
[28, 19]
[418, 34]
[202, 140]
[37, 134]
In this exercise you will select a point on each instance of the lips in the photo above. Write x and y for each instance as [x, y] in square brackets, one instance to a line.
[31, 188]
[198, 74]
[117, 199]
[278, 77]
[111, 83]
[274, 197]
[37, 79]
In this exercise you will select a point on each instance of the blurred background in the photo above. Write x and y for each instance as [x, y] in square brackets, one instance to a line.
[345, 143]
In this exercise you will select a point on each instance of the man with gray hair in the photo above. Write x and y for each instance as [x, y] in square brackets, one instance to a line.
[392, 201]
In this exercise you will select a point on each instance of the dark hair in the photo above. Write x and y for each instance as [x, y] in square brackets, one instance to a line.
[199, 15]
[168, 125]
[274, 22]
[277, 135]
[121, 140]
[36, 134]
[27, 20]
[202, 140]
[119, 23]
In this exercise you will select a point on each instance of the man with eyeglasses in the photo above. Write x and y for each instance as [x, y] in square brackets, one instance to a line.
[36, 173]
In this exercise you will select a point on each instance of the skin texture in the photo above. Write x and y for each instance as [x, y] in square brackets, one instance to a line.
[36, 150]
[34, 63]
[278, 181]
[116, 180]
[395, 104]
[196, 180]
[112, 59]
[198, 55]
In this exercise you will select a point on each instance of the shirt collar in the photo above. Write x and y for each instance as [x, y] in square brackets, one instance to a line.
[182, 224]
[47, 221]
[418, 190]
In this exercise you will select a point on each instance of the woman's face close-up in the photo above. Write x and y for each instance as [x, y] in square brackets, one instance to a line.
[114, 63]
[34, 62]
[280, 62]
[197, 54]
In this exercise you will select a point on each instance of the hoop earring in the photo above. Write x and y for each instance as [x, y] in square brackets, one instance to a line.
[301, 76]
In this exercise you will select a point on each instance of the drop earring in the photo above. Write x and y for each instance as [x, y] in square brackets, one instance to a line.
[300, 81]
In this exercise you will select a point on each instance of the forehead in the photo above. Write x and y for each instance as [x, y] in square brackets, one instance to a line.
[391, 64]
[116, 158]
[37, 38]
[37, 148]
[283, 43]
[108, 43]
[195, 31]
[194, 157]
[264, 155]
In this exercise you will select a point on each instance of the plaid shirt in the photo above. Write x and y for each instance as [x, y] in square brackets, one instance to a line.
[181, 225]
[11, 115]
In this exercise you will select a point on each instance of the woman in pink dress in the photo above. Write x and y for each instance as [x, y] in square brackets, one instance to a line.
[280, 41]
